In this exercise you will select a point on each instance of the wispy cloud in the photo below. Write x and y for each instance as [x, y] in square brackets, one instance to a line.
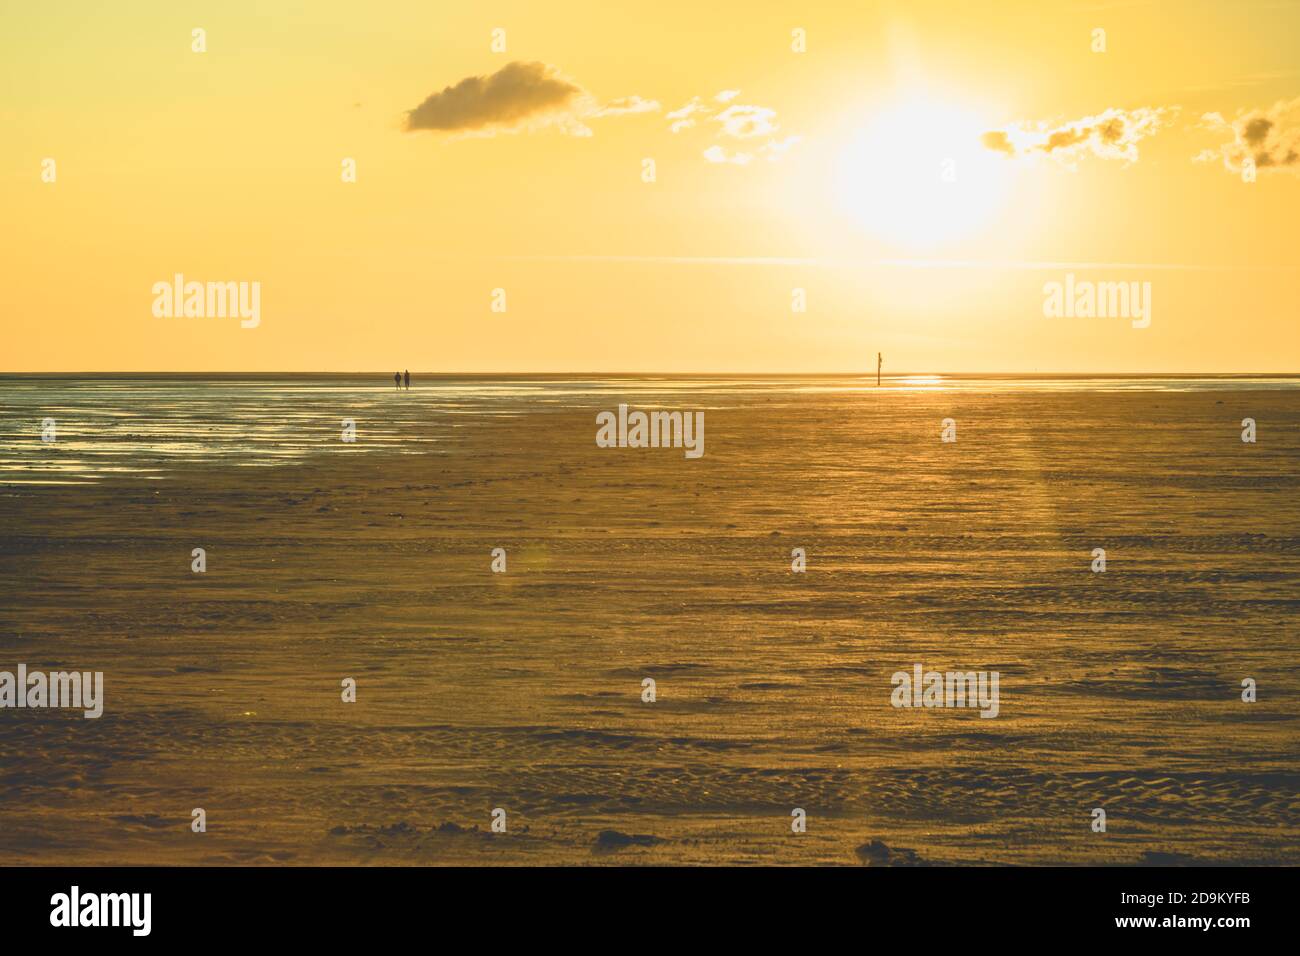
[746, 122]
[988, 265]
[1112, 134]
[518, 97]
[686, 116]
[719, 154]
[1244, 82]
[625, 105]
[755, 126]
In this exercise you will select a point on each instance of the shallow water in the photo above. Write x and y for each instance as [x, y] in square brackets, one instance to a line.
[146, 426]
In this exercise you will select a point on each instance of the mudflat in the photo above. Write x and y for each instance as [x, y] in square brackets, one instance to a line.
[523, 690]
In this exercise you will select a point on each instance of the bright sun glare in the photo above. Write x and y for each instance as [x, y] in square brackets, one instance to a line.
[917, 174]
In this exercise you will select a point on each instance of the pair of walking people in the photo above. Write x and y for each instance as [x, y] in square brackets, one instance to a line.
[397, 379]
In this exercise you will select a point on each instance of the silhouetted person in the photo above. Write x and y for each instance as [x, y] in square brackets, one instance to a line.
[407, 376]
[879, 362]
[397, 380]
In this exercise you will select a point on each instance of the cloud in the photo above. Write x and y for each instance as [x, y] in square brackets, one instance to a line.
[719, 154]
[684, 118]
[519, 96]
[625, 105]
[998, 140]
[1113, 134]
[746, 122]
[775, 148]
[735, 121]
[515, 93]
[1270, 138]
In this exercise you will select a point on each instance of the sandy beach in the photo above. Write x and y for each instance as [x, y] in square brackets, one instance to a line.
[522, 690]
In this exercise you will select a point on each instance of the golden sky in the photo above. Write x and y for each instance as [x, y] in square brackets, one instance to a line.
[921, 170]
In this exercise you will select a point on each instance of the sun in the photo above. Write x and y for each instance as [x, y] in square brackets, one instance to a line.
[917, 175]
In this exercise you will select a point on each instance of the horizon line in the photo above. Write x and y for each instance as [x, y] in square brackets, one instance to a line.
[863, 373]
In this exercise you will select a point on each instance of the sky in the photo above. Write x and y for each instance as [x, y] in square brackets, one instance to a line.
[652, 187]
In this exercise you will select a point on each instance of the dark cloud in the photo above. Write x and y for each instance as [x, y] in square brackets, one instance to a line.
[515, 94]
[1256, 130]
[1278, 159]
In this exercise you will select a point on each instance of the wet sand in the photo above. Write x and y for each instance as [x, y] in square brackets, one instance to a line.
[522, 690]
